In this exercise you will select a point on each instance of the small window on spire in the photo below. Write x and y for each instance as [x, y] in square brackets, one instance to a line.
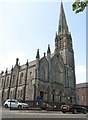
[59, 28]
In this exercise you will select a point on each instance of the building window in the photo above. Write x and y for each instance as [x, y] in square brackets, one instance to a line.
[78, 97]
[53, 95]
[18, 93]
[82, 97]
[7, 82]
[21, 93]
[14, 78]
[4, 95]
[11, 94]
[21, 78]
[42, 95]
[44, 74]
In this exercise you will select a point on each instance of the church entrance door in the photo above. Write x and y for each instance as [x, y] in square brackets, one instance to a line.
[42, 95]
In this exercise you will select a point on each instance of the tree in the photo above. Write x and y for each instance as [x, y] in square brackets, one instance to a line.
[79, 5]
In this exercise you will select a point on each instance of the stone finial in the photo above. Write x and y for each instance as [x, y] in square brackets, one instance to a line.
[48, 50]
[56, 35]
[37, 56]
[17, 59]
[27, 62]
[44, 54]
[12, 68]
[2, 72]
[6, 71]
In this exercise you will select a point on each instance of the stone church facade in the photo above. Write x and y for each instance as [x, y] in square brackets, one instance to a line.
[51, 77]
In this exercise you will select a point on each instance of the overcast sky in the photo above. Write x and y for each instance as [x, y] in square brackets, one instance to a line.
[27, 26]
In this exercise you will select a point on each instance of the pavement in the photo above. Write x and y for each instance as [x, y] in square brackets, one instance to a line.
[14, 115]
[37, 113]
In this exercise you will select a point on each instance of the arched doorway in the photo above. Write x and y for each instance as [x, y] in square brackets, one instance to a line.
[42, 95]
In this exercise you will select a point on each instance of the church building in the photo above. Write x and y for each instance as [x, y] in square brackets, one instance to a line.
[51, 77]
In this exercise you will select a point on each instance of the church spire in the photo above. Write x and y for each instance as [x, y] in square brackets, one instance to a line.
[63, 27]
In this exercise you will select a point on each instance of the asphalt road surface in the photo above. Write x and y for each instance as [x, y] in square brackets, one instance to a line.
[46, 115]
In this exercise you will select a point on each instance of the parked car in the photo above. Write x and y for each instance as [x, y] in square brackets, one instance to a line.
[73, 108]
[13, 103]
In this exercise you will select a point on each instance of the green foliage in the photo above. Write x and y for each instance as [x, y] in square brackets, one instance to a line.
[79, 5]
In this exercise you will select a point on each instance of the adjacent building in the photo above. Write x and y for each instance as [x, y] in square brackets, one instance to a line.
[82, 93]
[51, 77]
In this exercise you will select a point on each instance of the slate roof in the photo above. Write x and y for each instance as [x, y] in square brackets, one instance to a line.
[82, 85]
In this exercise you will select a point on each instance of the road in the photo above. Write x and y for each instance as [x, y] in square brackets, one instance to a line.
[32, 115]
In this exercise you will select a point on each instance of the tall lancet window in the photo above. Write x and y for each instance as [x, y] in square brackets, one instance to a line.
[14, 79]
[44, 74]
[21, 78]
[7, 84]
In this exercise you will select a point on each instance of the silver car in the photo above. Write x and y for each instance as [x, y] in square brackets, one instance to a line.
[13, 103]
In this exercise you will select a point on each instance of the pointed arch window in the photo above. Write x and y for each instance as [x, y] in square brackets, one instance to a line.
[7, 82]
[53, 95]
[57, 72]
[44, 73]
[11, 94]
[21, 78]
[21, 93]
[18, 93]
[14, 78]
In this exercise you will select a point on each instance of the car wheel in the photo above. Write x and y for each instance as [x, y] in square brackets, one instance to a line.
[63, 111]
[19, 106]
[84, 111]
[74, 111]
[6, 106]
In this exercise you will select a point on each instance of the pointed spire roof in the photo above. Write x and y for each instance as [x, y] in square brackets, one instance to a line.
[48, 50]
[27, 62]
[63, 27]
[17, 60]
[6, 71]
[38, 56]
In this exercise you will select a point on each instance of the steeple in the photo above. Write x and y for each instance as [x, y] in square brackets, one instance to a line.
[63, 27]
[63, 38]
